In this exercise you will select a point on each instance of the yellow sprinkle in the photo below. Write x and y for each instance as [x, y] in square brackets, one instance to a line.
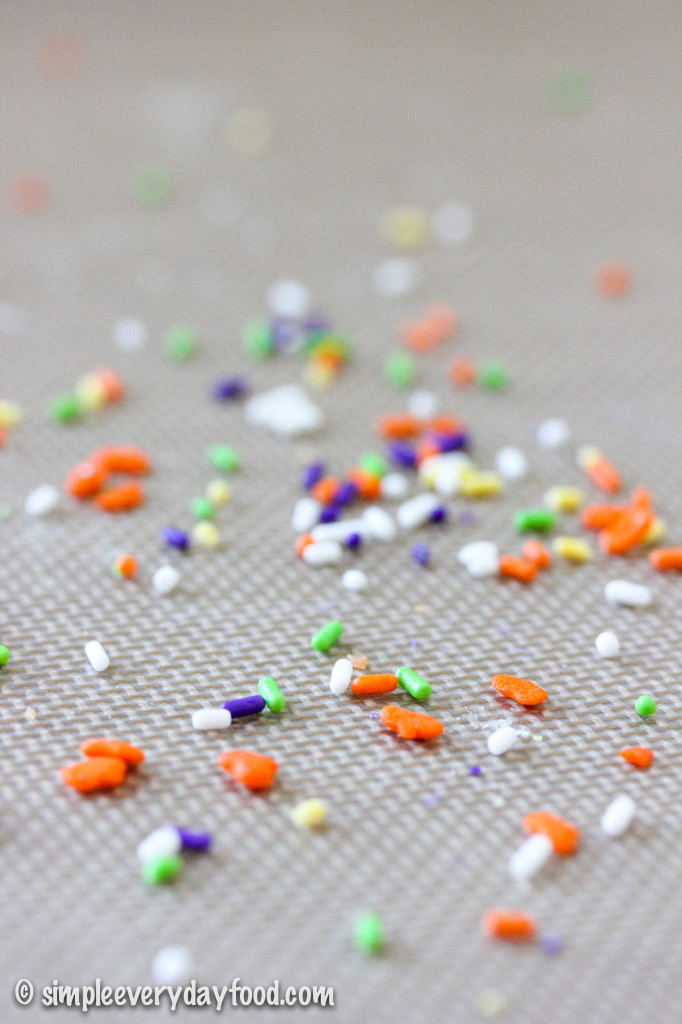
[90, 392]
[405, 227]
[318, 376]
[586, 455]
[218, 492]
[11, 414]
[473, 484]
[206, 534]
[309, 813]
[30, 714]
[564, 499]
[573, 549]
[656, 531]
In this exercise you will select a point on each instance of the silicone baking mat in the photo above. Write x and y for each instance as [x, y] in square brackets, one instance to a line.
[371, 105]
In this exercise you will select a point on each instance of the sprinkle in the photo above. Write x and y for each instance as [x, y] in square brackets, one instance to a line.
[120, 459]
[530, 858]
[241, 707]
[553, 433]
[394, 486]
[4, 656]
[368, 934]
[227, 389]
[211, 718]
[665, 559]
[502, 740]
[511, 463]
[94, 774]
[373, 684]
[165, 579]
[539, 520]
[405, 227]
[180, 343]
[108, 747]
[562, 833]
[195, 841]
[645, 706]
[255, 771]
[311, 474]
[379, 524]
[172, 965]
[175, 538]
[640, 757]
[354, 579]
[257, 339]
[510, 925]
[551, 944]
[421, 554]
[607, 644]
[452, 223]
[206, 535]
[271, 694]
[535, 552]
[416, 511]
[218, 492]
[462, 372]
[327, 636]
[341, 676]
[474, 770]
[423, 404]
[396, 276]
[162, 842]
[633, 595]
[413, 683]
[410, 725]
[122, 498]
[517, 568]
[399, 370]
[523, 691]
[309, 813]
[223, 458]
[572, 549]
[618, 816]
[306, 514]
[474, 484]
[613, 279]
[322, 553]
[201, 508]
[85, 480]
[564, 499]
[65, 409]
[129, 334]
[42, 501]
[289, 299]
[492, 376]
[11, 414]
[96, 655]
[480, 558]
[160, 870]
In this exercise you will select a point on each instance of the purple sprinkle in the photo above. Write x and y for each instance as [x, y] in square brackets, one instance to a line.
[401, 454]
[413, 643]
[372, 714]
[353, 541]
[347, 492]
[311, 474]
[551, 944]
[421, 554]
[432, 799]
[450, 442]
[175, 538]
[194, 840]
[284, 333]
[242, 706]
[439, 514]
[228, 388]
[474, 770]
[330, 513]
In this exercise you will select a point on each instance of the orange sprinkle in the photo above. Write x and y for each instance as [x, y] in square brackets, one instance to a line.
[102, 747]
[535, 552]
[85, 480]
[29, 193]
[517, 568]
[255, 771]
[325, 490]
[445, 423]
[410, 725]
[627, 530]
[641, 757]
[511, 925]
[381, 683]
[461, 371]
[443, 320]
[603, 475]
[111, 384]
[425, 449]
[599, 517]
[523, 691]
[120, 459]
[93, 774]
[397, 426]
[367, 486]
[665, 559]
[641, 496]
[126, 566]
[122, 498]
[613, 279]
[420, 336]
[358, 661]
[302, 543]
[562, 833]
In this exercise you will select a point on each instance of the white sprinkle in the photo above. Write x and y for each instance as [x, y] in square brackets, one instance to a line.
[96, 655]
[172, 965]
[162, 842]
[306, 515]
[287, 411]
[442, 473]
[212, 718]
[339, 530]
[342, 673]
[530, 857]
[553, 433]
[165, 579]
[394, 486]
[502, 740]
[618, 816]
[511, 463]
[379, 524]
[129, 334]
[481, 558]
[355, 579]
[607, 644]
[396, 276]
[322, 552]
[634, 595]
[452, 223]
[423, 404]
[289, 299]
[42, 501]
[416, 511]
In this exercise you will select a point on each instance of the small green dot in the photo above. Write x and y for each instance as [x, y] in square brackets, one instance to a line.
[327, 636]
[492, 376]
[223, 458]
[539, 520]
[161, 869]
[257, 338]
[271, 694]
[4, 655]
[201, 508]
[399, 370]
[416, 685]
[373, 463]
[181, 343]
[368, 934]
[153, 185]
[645, 705]
[65, 409]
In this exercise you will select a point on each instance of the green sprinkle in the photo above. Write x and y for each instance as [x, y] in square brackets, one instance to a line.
[492, 376]
[645, 705]
[65, 409]
[201, 508]
[373, 463]
[161, 869]
[153, 185]
[257, 339]
[416, 686]
[181, 343]
[223, 458]
[399, 370]
[569, 92]
[538, 519]
[4, 655]
[327, 636]
[271, 694]
[368, 934]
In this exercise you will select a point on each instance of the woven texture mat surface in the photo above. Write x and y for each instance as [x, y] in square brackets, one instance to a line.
[371, 105]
